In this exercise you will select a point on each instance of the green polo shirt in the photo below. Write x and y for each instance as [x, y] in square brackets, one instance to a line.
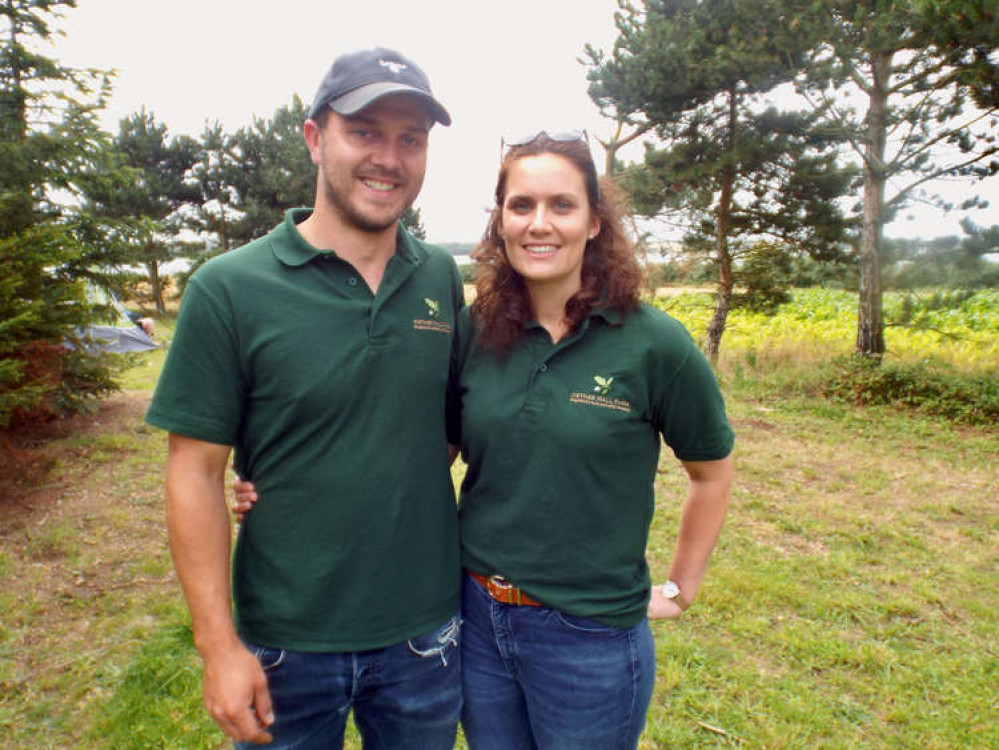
[334, 401]
[562, 443]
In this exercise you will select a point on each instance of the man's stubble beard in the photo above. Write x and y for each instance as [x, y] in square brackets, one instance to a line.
[354, 217]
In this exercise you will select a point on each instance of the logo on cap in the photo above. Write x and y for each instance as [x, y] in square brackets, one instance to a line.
[395, 67]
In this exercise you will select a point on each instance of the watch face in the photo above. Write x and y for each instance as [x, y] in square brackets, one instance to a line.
[671, 590]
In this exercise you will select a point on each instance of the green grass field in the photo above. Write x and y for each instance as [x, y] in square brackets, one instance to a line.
[850, 602]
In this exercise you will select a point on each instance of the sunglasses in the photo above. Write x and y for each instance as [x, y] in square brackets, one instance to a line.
[560, 136]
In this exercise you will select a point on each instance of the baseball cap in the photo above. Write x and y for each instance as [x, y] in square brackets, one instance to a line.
[357, 79]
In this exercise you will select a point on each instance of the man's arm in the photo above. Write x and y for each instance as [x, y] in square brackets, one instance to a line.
[708, 490]
[234, 685]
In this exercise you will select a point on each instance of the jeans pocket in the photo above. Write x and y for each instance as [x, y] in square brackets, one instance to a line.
[578, 624]
[439, 643]
[269, 658]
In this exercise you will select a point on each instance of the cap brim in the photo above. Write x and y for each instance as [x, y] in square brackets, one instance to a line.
[354, 101]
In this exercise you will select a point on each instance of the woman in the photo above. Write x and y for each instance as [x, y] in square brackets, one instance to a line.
[562, 385]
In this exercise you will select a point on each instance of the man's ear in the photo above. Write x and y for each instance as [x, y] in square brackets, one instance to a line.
[312, 134]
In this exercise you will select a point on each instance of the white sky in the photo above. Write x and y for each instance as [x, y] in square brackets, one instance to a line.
[501, 67]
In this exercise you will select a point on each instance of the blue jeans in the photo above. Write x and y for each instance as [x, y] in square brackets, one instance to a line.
[405, 697]
[536, 678]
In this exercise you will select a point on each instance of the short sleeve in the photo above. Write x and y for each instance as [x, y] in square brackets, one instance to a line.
[201, 389]
[688, 407]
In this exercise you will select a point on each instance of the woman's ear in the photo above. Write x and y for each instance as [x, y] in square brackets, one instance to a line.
[594, 228]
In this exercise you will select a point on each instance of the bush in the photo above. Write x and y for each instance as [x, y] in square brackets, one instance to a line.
[663, 274]
[766, 277]
[467, 271]
[42, 307]
[925, 387]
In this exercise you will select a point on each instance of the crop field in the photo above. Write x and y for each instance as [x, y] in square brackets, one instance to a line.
[957, 330]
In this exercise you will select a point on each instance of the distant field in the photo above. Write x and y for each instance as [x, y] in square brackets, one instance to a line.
[821, 323]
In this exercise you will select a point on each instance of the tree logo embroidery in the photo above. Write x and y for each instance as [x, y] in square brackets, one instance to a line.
[603, 385]
[395, 67]
[432, 321]
[600, 395]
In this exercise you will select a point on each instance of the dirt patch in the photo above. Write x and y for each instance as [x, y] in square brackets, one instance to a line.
[82, 550]
[29, 455]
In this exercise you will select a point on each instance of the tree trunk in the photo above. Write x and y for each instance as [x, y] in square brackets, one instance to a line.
[870, 323]
[223, 229]
[156, 284]
[723, 216]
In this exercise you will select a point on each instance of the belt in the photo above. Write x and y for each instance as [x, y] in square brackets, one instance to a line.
[503, 592]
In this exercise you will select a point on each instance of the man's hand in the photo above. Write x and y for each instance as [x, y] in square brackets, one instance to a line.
[235, 694]
[661, 608]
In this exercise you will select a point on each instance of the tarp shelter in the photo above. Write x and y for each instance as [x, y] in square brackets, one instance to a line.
[114, 330]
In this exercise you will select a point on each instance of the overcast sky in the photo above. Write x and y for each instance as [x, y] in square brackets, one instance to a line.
[502, 68]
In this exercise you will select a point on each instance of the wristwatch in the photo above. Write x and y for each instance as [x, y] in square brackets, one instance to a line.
[671, 590]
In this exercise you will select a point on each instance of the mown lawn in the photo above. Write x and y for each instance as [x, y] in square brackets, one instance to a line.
[850, 603]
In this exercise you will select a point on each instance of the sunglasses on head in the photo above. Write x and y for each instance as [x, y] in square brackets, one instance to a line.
[560, 136]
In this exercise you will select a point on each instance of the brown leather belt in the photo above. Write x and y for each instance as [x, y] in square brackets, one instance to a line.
[503, 592]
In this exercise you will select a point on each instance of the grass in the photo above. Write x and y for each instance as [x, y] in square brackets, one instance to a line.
[850, 603]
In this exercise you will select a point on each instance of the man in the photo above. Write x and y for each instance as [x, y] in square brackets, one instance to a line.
[320, 352]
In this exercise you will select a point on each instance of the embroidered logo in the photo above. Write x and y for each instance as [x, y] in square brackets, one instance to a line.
[603, 384]
[432, 322]
[395, 67]
[600, 396]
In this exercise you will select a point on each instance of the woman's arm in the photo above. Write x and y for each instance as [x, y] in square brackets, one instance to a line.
[709, 485]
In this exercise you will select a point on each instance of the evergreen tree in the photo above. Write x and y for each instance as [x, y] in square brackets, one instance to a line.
[146, 193]
[271, 172]
[695, 70]
[413, 223]
[928, 72]
[49, 142]
[955, 262]
[214, 176]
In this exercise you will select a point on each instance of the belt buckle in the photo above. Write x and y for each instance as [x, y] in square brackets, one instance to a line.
[504, 591]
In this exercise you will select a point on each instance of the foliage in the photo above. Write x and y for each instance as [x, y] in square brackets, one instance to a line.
[214, 174]
[467, 271]
[413, 222]
[766, 275]
[814, 327]
[143, 193]
[945, 261]
[271, 171]
[916, 64]
[920, 386]
[49, 142]
[694, 71]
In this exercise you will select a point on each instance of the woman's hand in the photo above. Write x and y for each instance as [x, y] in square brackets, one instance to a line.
[661, 608]
[243, 498]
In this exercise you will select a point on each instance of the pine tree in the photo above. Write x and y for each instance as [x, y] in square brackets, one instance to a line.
[145, 193]
[49, 141]
[272, 172]
[694, 71]
[928, 72]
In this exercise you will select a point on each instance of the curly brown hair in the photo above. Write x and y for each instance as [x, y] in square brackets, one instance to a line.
[611, 276]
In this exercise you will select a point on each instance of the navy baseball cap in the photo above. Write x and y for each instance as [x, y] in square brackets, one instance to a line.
[359, 78]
